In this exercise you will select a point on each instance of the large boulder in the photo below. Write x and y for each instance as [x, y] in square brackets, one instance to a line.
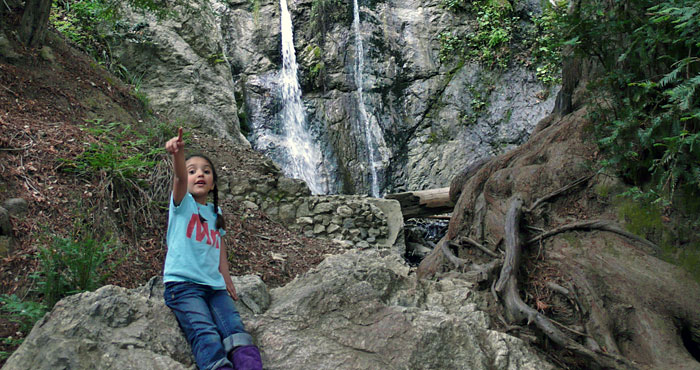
[178, 64]
[359, 310]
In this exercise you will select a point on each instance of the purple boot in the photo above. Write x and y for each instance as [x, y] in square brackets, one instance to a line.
[246, 358]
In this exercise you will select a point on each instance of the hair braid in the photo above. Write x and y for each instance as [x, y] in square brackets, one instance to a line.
[220, 222]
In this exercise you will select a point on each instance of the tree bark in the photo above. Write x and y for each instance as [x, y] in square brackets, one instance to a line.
[35, 21]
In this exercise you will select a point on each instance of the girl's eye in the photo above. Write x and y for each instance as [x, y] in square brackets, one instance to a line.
[207, 172]
[191, 172]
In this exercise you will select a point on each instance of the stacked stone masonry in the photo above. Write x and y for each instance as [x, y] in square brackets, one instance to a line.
[353, 220]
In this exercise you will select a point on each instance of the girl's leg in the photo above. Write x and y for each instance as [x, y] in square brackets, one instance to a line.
[237, 342]
[188, 301]
[228, 321]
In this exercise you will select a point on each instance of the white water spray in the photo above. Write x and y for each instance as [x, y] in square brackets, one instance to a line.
[305, 159]
[373, 134]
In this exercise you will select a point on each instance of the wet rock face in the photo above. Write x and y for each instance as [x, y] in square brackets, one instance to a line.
[218, 65]
[359, 310]
[434, 117]
[178, 63]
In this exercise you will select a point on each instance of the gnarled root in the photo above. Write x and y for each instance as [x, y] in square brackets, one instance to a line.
[517, 310]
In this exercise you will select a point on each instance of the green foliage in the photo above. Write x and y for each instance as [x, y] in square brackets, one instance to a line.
[217, 58]
[455, 6]
[127, 162]
[438, 137]
[546, 49]
[323, 13]
[118, 152]
[649, 121]
[254, 6]
[641, 218]
[79, 22]
[451, 46]
[72, 265]
[84, 22]
[490, 41]
[25, 313]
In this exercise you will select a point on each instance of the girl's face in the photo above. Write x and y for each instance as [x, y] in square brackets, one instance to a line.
[200, 178]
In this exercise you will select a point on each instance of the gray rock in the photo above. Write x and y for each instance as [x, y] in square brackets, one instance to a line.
[116, 328]
[5, 223]
[287, 213]
[318, 228]
[324, 207]
[46, 53]
[305, 221]
[344, 211]
[361, 310]
[290, 186]
[250, 205]
[16, 206]
[332, 228]
[6, 49]
[182, 64]
[5, 245]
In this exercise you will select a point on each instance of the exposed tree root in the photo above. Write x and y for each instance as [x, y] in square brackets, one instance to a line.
[561, 190]
[479, 272]
[517, 310]
[473, 243]
[596, 225]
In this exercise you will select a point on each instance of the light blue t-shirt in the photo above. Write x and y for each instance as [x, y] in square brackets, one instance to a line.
[193, 245]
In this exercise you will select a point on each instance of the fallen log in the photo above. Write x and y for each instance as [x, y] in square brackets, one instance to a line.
[424, 203]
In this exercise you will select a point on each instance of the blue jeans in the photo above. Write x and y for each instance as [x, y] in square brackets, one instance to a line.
[210, 321]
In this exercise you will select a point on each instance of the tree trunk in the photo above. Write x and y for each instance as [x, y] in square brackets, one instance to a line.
[424, 203]
[34, 23]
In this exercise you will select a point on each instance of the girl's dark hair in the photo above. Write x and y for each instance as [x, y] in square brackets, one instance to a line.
[220, 221]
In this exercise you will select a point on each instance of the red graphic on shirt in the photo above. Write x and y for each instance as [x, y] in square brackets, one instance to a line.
[202, 230]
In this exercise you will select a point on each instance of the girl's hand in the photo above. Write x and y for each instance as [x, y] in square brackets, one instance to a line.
[175, 144]
[231, 289]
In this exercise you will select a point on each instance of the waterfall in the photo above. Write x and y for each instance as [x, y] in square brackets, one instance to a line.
[373, 137]
[304, 157]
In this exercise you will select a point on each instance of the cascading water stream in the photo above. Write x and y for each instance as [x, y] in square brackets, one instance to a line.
[373, 135]
[304, 156]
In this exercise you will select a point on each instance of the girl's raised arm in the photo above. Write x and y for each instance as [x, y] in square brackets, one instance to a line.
[176, 147]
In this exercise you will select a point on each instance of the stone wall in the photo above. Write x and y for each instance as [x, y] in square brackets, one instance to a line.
[356, 221]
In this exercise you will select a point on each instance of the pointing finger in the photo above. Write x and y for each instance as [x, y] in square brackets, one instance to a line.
[179, 134]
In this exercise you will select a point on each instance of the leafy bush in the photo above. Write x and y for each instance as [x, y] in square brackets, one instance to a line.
[491, 39]
[546, 49]
[25, 313]
[118, 152]
[646, 111]
[649, 122]
[128, 164]
[72, 265]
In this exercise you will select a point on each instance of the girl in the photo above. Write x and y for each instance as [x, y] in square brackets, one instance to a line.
[198, 287]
